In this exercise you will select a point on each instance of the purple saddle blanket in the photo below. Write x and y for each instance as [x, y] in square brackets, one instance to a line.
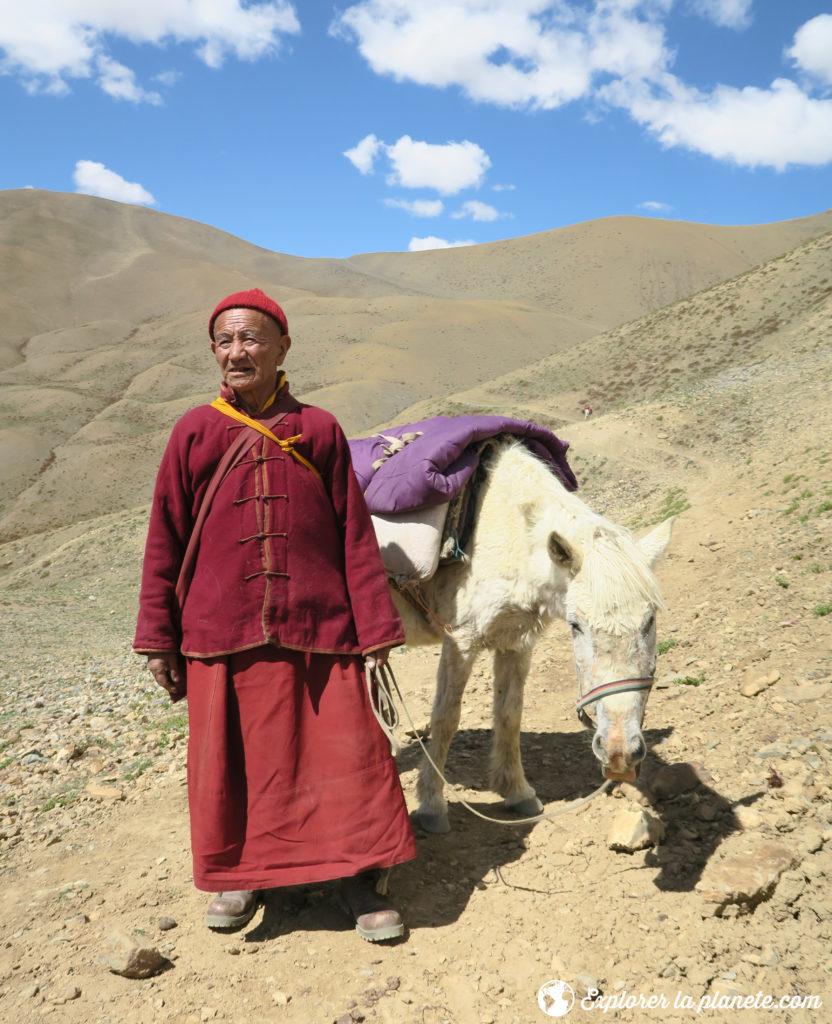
[428, 463]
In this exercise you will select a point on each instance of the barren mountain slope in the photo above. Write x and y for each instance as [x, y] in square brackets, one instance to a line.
[618, 266]
[104, 313]
[781, 307]
[734, 902]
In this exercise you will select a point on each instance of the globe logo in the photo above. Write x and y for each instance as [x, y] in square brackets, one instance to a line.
[555, 998]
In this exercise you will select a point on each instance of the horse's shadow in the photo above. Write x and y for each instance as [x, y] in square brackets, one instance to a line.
[562, 768]
[436, 887]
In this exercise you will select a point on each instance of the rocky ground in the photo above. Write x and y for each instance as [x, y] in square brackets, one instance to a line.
[731, 900]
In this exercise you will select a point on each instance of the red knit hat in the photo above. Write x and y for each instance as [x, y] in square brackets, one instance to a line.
[253, 299]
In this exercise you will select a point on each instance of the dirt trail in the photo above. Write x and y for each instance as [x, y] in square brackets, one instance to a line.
[493, 913]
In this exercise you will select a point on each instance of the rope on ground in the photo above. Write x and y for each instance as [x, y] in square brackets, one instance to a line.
[388, 718]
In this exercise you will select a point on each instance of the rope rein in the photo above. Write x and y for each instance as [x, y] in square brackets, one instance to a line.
[387, 715]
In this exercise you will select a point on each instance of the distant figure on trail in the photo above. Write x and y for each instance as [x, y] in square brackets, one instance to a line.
[264, 599]
[587, 411]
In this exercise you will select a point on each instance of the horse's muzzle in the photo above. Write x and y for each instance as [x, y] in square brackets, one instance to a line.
[620, 760]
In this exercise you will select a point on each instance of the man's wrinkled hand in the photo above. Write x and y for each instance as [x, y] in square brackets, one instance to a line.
[168, 670]
[377, 658]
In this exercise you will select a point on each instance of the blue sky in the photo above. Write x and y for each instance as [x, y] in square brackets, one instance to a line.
[382, 125]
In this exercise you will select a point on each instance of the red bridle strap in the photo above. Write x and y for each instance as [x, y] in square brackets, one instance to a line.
[608, 689]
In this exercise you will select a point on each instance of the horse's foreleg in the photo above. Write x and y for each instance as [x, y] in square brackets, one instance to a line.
[507, 776]
[454, 669]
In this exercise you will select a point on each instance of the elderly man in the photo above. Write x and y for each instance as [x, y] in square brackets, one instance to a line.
[263, 597]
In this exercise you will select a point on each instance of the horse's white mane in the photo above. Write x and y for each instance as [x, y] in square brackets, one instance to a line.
[615, 578]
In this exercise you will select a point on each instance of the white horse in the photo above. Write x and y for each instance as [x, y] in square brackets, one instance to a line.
[538, 552]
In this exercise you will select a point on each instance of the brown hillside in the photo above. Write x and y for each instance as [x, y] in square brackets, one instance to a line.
[104, 311]
[716, 408]
[780, 309]
[617, 268]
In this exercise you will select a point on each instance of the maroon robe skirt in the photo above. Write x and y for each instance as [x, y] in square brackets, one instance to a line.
[290, 778]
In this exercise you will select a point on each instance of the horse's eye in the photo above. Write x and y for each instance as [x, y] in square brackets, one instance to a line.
[576, 629]
[650, 623]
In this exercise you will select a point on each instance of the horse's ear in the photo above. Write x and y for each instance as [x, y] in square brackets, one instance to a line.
[562, 553]
[654, 544]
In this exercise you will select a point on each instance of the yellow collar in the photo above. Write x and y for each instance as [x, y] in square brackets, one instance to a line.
[287, 444]
[281, 380]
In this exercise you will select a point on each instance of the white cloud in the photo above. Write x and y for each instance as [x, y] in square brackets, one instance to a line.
[94, 179]
[725, 13]
[477, 211]
[432, 242]
[54, 87]
[119, 82]
[363, 155]
[47, 42]
[542, 54]
[168, 78]
[775, 127]
[653, 206]
[812, 48]
[448, 168]
[514, 53]
[503, 188]
[417, 207]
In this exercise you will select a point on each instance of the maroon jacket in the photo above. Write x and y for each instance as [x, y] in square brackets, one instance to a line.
[284, 558]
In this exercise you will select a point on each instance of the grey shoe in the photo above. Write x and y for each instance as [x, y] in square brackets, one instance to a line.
[376, 919]
[232, 909]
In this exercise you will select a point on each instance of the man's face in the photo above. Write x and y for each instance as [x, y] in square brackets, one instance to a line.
[249, 348]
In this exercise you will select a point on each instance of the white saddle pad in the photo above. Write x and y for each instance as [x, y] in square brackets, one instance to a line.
[410, 541]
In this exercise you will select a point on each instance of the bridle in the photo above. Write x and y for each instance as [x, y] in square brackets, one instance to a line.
[607, 690]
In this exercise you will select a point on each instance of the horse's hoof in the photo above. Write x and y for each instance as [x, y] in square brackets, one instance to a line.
[526, 808]
[437, 824]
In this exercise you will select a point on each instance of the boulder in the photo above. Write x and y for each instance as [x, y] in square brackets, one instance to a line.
[635, 829]
[126, 956]
[745, 878]
[101, 791]
[757, 682]
[804, 694]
